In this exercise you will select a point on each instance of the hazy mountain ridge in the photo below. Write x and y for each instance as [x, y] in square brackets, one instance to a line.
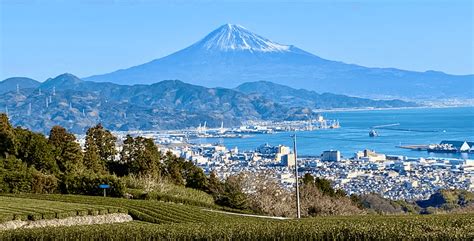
[311, 99]
[232, 55]
[11, 84]
[77, 104]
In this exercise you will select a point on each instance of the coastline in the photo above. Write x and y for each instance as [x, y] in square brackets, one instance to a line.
[428, 124]
[390, 108]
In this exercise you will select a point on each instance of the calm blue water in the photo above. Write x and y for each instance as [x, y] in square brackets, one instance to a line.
[427, 126]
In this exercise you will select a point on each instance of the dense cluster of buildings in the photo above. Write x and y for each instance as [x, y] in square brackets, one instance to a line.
[394, 177]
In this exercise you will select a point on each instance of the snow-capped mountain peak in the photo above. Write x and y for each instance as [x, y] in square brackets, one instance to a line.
[232, 37]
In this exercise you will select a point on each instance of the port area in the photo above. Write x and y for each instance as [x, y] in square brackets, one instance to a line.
[415, 147]
[444, 147]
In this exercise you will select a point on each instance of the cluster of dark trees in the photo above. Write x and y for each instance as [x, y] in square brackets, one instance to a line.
[32, 162]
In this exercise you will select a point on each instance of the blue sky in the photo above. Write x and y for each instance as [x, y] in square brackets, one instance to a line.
[42, 39]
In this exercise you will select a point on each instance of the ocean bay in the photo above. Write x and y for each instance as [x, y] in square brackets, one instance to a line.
[416, 126]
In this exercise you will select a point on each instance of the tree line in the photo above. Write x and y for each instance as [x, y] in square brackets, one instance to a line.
[32, 162]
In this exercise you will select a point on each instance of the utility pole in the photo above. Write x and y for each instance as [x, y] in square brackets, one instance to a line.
[298, 212]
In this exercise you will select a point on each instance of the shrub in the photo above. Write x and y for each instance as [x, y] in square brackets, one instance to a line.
[93, 212]
[66, 214]
[35, 216]
[49, 215]
[6, 217]
[139, 194]
[43, 184]
[15, 176]
[88, 184]
[82, 212]
[19, 216]
[148, 187]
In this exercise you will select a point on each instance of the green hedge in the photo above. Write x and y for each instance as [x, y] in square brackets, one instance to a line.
[88, 184]
[139, 194]
[13, 207]
[413, 227]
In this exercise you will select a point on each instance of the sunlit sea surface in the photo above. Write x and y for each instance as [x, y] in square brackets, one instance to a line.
[417, 126]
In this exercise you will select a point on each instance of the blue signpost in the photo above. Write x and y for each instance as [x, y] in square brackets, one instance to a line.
[105, 187]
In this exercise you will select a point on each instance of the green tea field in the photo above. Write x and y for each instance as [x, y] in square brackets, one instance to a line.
[161, 220]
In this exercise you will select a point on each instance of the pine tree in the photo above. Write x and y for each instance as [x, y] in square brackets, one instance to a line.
[35, 151]
[215, 187]
[230, 193]
[234, 195]
[91, 156]
[324, 186]
[67, 151]
[173, 169]
[122, 167]
[308, 179]
[196, 179]
[99, 149]
[141, 156]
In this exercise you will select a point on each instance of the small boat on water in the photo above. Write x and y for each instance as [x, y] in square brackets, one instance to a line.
[373, 133]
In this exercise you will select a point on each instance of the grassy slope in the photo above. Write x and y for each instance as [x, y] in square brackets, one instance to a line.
[12, 208]
[355, 228]
[176, 221]
[144, 210]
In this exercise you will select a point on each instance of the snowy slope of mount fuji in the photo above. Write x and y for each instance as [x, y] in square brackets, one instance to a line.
[237, 38]
[232, 55]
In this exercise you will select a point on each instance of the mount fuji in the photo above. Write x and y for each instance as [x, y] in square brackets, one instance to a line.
[232, 55]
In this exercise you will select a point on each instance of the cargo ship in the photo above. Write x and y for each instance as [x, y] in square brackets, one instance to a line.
[444, 147]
